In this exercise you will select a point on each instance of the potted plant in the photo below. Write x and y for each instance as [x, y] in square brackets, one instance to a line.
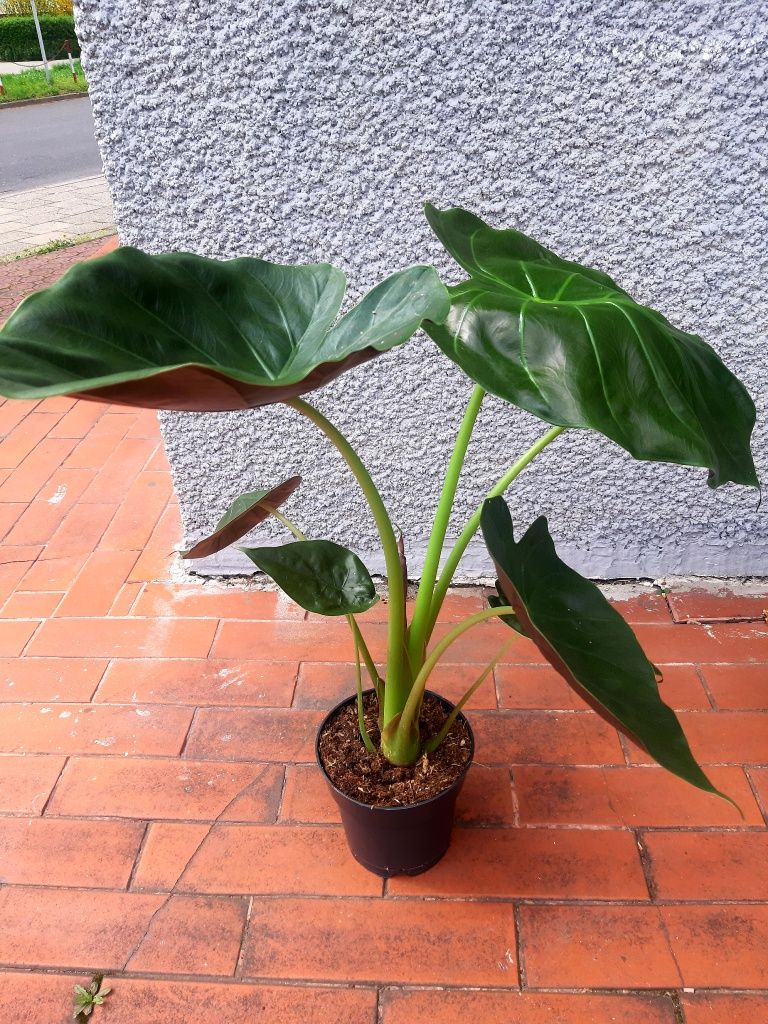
[558, 339]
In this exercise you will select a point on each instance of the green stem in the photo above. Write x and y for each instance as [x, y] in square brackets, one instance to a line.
[417, 635]
[360, 712]
[397, 681]
[466, 535]
[435, 742]
[400, 745]
[373, 672]
[286, 522]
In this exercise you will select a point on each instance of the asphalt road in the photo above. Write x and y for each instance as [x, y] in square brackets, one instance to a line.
[43, 143]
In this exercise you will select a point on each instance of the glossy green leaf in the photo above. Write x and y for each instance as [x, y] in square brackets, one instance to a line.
[585, 640]
[180, 331]
[241, 517]
[566, 343]
[319, 575]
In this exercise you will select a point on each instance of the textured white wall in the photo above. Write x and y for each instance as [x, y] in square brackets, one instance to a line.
[630, 135]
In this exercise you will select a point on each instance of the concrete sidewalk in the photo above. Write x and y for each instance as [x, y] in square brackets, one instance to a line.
[66, 210]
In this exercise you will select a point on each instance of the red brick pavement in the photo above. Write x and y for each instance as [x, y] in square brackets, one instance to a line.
[161, 818]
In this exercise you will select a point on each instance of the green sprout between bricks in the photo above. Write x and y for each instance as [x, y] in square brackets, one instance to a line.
[560, 340]
[87, 998]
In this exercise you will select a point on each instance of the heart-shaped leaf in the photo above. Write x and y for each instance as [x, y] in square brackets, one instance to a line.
[567, 344]
[180, 331]
[241, 517]
[585, 640]
[319, 575]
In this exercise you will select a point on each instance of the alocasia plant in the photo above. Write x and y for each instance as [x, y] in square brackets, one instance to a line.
[560, 340]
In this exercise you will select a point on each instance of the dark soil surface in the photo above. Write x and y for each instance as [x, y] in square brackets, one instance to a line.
[371, 779]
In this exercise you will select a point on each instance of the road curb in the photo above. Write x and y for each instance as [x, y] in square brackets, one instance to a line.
[42, 99]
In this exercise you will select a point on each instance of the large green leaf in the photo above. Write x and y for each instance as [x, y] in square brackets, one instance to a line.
[319, 575]
[180, 331]
[585, 640]
[241, 517]
[567, 344]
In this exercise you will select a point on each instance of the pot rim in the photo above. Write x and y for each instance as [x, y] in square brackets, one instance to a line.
[458, 781]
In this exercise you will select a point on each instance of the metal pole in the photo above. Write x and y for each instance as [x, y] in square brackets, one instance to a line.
[40, 41]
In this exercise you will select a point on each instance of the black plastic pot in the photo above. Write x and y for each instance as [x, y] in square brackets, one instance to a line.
[398, 840]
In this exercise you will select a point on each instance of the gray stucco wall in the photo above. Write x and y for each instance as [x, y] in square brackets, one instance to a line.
[630, 135]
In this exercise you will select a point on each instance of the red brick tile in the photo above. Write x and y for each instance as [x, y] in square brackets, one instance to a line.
[145, 425]
[154, 561]
[482, 643]
[80, 419]
[56, 403]
[193, 935]
[26, 781]
[457, 1007]
[15, 634]
[126, 598]
[49, 679]
[32, 604]
[220, 601]
[196, 682]
[705, 606]
[643, 608]
[12, 413]
[730, 737]
[708, 865]
[71, 928]
[17, 445]
[53, 995]
[458, 604]
[95, 589]
[96, 854]
[184, 1002]
[46, 513]
[9, 514]
[333, 940]
[720, 947]
[159, 461]
[53, 573]
[80, 531]
[167, 850]
[596, 947]
[629, 797]
[12, 570]
[114, 425]
[118, 471]
[306, 797]
[738, 687]
[539, 737]
[486, 797]
[534, 863]
[138, 514]
[539, 686]
[254, 734]
[90, 453]
[260, 859]
[92, 729]
[330, 640]
[25, 482]
[713, 1008]
[759, 778]
[158, 788]
[321, 685]
[729, 642]
[124, 638]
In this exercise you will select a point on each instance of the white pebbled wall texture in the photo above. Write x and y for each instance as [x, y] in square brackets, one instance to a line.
[628, 134]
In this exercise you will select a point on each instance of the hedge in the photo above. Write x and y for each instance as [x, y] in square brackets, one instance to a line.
[18, 38]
